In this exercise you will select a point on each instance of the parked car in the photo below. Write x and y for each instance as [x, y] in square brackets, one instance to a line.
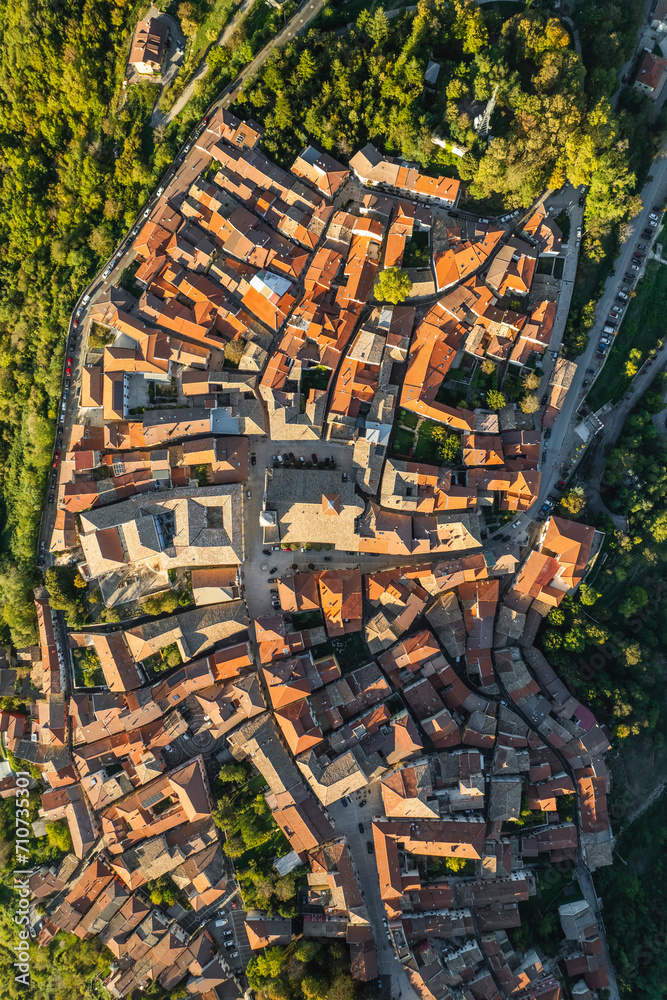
[274, 569]
[160, 191]
[314, 458]
[332, 460]
[267, 552]
[361, 827]
[285, 458]
[147, 213]
[585, 383]
[547, 434]
[581, 202]
[271, 579]
[292, 459]
[187, 148]
[369, 847]
[328, 559]
[51, 498]
[578, 232]
[248, 493]
[233, 954]
[274, 592]
[253, 460]
[344, 802]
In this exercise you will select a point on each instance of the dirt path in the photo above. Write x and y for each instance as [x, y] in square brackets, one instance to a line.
[646, 804]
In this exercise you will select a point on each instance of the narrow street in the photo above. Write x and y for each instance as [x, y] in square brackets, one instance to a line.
[587, 887]
[346, 820]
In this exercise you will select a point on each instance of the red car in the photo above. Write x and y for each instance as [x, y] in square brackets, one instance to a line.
[55, 464]
[68, 370]
[75, 323]
[314, 458]
[69, 361]
[204, 120]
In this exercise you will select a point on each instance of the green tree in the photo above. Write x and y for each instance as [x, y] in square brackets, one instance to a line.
[587, 595]
[488, 366]
[236, 774]
[635, 598]
[495, 399]
[552, 639]
[307, 66]
[190, 17]
[393, 285]
[632, 364]
[573, 501]
[58, 836]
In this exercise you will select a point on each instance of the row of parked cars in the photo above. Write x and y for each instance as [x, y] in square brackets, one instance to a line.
[287, 459]
[630, 277]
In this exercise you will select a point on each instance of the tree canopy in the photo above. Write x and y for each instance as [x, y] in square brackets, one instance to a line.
[393, 285]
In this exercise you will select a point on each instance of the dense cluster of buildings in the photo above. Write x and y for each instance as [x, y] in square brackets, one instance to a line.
[249, 316]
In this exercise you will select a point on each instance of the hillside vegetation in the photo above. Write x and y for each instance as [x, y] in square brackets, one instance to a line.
[77, 164]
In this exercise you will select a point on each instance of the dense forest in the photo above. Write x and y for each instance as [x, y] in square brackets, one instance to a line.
[342, 90]
[75, 170]
[634, 906]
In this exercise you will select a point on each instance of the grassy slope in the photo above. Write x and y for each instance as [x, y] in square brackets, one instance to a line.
[642, 327]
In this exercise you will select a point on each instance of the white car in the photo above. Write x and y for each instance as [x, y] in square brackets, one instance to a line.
[233, 954]
[85, 300]
[147, 213]
[160, 191]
